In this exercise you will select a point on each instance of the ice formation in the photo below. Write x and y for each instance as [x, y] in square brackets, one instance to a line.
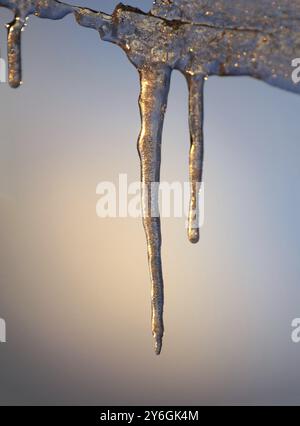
[199, 38]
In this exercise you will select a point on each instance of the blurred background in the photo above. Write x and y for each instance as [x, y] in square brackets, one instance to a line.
[75, 290]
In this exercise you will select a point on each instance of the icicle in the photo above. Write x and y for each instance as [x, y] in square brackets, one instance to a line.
[50, 9]
[14, 52]
[195, 85]
[155, 83]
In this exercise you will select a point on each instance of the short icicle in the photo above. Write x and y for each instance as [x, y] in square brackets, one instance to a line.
[195, 85]
[155, 83]
[14, 30]
[22, 9]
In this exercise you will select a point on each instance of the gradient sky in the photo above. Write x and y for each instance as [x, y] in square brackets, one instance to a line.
[75, 289]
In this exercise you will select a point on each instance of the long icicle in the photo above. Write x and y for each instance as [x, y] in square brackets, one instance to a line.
[155, 84]
[195, 85]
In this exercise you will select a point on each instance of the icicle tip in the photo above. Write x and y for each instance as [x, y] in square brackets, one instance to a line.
[157, 344]
[194, 235]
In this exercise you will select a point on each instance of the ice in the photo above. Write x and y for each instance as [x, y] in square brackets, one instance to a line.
[22, 9]
[199, 38]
